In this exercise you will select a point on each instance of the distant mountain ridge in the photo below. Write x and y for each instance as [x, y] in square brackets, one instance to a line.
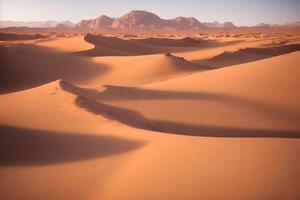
[139, 19]
[134, 20]
[217, 24]
[101, 22]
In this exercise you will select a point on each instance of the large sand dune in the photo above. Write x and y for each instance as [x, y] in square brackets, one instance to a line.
[8, 36]
[26, 66]
[71, 44]
[206, 103]
[145, 69]
[247, 55]
[160, 126]
[112, 46]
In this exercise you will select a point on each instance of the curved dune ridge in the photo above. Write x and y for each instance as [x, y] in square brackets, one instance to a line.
[112, 46]
[247, 55]
[27, 66]
[183, 42]
[42, 139]
[137, 120]
[135, 106]
[68, 44]
[145, 69]
[40, 65]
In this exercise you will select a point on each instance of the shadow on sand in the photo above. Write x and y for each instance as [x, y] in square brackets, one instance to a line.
[21, 147]
[246, 55]
[121, 93]
[137, 120]
[28, 66]
[113, 46]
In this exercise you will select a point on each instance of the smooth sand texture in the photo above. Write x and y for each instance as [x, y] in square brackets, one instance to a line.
[125, 125]
[72, 44]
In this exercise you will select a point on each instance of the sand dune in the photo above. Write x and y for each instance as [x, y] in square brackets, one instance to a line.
[112, 46]
[10, 36]
[247, 55]
[205, 97]
[71, 44]
[27, 66]
[181, 42]
[255, 85]
[233, 45]
[137, 120]
[35, 141]
[144, 69]
[22, 146]
[150, 126]
[150, 105]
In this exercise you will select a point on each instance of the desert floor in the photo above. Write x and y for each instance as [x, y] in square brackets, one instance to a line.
[167, 116]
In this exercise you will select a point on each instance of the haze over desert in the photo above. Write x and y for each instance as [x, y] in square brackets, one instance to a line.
[139, 106]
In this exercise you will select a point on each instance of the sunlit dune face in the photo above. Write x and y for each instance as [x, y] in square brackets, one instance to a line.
[71, 44]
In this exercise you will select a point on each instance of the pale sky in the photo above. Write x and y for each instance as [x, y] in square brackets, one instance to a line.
[241, 12]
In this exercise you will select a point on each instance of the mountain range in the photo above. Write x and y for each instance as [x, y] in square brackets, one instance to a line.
[139, 19]
[134, 20]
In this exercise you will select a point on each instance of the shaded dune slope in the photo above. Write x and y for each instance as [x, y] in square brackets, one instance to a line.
[184, 42]
[247, 55]
[90, 100]
[22, 147]
[137, 120]
[112, 46]
[38, 65]
[27, 66]
[267, 113]
[10, 36]
[137, 70]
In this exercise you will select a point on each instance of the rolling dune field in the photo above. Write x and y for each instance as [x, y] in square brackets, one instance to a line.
[150, 116]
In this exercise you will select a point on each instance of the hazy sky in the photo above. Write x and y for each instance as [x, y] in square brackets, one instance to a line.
[241, 12]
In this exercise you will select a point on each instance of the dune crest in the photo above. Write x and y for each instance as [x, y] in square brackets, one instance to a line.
[112, 46]
[72, 44]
